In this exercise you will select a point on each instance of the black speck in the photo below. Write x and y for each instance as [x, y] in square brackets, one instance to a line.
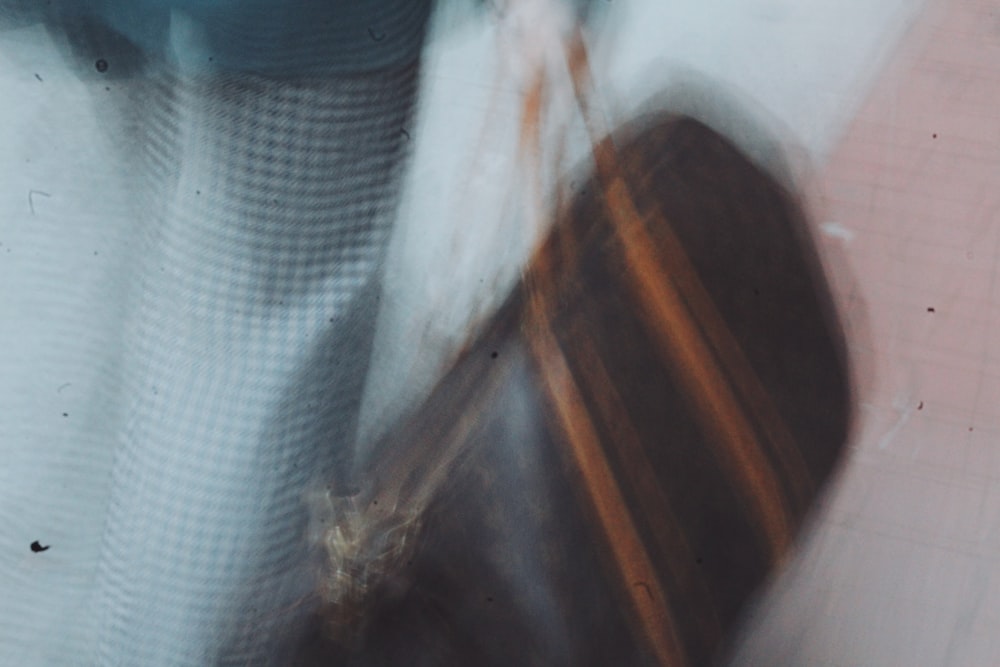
[101, 65]
[921, 406]
[38, 77]
[970, 429]
[374, 36]
[493, 355]
[489, 599]
[374, 502]
[197, 192]
[38, 548]
[108, 88]
[95, 253]
[698, 560]
[930, 310]
[934, 136]
[65, 414]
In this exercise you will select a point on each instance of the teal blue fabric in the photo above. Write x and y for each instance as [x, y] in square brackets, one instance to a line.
[278, 38]
[271, 37]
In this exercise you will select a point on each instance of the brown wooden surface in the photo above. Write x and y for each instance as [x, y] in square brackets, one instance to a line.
[612, 470]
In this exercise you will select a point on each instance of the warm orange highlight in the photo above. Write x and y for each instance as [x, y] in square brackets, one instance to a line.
[640, 579]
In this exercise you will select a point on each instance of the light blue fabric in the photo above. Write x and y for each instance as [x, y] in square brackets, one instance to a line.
[244, 354]
[257, 195]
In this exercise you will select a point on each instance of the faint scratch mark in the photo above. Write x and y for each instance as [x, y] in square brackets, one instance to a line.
[645, 587]
[904, 416]
[378, 37]
[63, 386]
[837, 231]
[31, 202]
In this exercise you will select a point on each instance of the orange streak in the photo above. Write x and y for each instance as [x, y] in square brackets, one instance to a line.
[677, 330]
[668, 534]
[700, 375]
[634, 566]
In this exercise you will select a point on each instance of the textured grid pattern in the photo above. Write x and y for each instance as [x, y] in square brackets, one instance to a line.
[269, 205]
[265, 206]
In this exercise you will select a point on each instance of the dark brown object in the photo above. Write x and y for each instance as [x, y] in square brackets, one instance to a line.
[609, 473]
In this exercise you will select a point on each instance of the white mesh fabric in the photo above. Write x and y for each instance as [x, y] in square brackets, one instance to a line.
[244, 350]
[223, 276]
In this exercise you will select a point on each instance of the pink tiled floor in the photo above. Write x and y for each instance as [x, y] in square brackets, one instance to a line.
[903, 565]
